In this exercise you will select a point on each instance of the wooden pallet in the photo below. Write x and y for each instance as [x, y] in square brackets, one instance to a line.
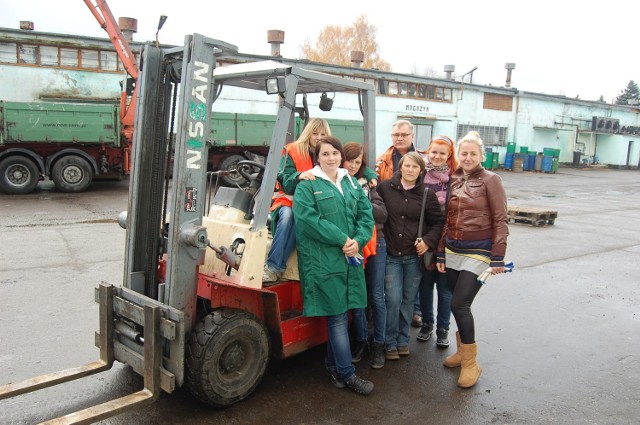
[531, 215]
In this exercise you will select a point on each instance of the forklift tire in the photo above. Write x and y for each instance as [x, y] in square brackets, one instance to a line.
[18, 175]
[72, 174]
[226, 357]
[229, 164]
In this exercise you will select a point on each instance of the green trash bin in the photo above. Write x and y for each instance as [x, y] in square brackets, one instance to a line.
[554, 165]
[511, 147]
[495, 161]
[488, 160]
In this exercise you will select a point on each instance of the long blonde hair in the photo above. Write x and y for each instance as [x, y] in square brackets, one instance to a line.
[315, 125]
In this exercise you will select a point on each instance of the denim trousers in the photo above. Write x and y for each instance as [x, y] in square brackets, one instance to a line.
[338, 348]
[374, 274]
[401, 282]
[284, 241]
[424, 301]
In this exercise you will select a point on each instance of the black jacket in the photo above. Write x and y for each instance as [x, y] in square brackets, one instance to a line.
[403, 216]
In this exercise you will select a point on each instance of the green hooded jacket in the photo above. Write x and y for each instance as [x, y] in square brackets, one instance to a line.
[324, 219]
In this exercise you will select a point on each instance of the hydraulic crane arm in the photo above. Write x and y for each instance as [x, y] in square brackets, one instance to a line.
[105, 18]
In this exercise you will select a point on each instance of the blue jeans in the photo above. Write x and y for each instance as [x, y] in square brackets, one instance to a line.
[284, 241]
[338, 348]
[424, 301]
[374, 273]
[401, 282]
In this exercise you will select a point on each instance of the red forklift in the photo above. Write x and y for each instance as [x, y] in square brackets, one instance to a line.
[192, 310]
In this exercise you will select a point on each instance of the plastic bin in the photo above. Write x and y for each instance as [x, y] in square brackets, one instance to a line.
[495, 161]
[538, 162]
[508, 161]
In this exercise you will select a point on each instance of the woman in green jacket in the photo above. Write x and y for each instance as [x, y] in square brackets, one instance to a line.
[333, 222]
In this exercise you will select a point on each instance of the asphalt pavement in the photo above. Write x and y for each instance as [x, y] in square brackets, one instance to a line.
[558, 339]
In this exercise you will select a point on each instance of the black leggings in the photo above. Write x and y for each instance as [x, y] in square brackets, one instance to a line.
[464, 287]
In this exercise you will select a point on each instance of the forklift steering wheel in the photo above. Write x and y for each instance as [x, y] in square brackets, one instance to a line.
[246, 169]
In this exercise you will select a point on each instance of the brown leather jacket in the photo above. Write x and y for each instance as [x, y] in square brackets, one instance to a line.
[477, 209]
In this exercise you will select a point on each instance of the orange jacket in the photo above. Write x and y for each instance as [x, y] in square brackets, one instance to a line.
[294, 163]
[384, 163]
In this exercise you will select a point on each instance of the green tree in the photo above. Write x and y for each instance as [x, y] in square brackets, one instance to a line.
[335, 44]
[631, 92]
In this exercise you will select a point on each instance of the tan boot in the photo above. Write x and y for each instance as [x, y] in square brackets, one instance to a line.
[455, 359]
[470, 371]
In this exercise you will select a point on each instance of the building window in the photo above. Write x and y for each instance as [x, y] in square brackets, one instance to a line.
[28, 54]
[490, 135]
[89, 59]
[69, 57]
[414, 91]
[8, 53]
[49, 56]
[108, 61]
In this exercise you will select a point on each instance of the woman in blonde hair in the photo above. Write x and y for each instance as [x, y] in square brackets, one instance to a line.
[474, 238]
[295, 165]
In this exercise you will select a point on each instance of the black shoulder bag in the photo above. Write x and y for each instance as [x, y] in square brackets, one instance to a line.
[427, 258]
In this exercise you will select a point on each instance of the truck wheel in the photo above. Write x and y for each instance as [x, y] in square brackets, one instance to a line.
[72, 174]
[229, 164]
[226, 357]
[18, 175]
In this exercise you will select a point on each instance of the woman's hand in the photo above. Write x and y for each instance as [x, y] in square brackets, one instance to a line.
[421, 247]
[441, 267]
[307, 175]
[373, 183]
[350, 247]
[497, 270]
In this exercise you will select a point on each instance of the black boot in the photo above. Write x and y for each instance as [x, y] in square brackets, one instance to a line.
[377, 358]
[336, 380]
[359, 385]
[443, 337]
[361, 348]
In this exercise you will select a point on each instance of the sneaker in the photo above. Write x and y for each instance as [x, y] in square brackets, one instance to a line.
[359, 385]
[403, 350]
[336, 380]
[377, 358]
[392, 354]
[269, 276]
[442, 337]
[361, 348]
[417, 321]
[425, 332]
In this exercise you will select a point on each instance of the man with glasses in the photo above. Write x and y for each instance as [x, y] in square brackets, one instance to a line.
[402, 142]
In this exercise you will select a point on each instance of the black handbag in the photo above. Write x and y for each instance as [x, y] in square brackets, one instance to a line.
[428, 259]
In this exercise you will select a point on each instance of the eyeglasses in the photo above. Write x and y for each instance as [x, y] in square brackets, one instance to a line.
[399, 135]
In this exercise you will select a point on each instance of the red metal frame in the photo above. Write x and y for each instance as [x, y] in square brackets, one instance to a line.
[279, 306]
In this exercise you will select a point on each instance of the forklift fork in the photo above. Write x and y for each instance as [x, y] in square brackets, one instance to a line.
[105, 339]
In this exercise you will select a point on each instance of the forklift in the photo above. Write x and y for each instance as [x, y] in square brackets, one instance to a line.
[192, 310]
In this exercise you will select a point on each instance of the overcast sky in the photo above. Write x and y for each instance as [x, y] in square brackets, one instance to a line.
[566, 47]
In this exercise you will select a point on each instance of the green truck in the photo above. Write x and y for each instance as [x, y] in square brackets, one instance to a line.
[75, 143]
[70, 143]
